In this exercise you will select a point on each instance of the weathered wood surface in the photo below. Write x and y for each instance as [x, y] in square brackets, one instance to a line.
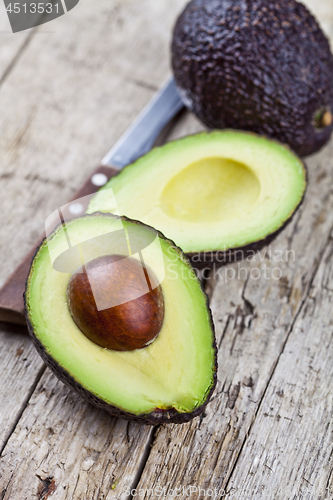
[20, 369]
[268, 430]
[12, 293]
[292, 433]
[11, 46]
[79, 451]
[254, 318]
[66, 101]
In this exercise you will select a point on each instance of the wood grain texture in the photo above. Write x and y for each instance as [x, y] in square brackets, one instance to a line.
[274, 334]
[254, 319]
[12, 45]
[292, 434]
[253, 316]
[81, 451]
[110, 474]
[20, 370]
[11, 294]
[71, 96]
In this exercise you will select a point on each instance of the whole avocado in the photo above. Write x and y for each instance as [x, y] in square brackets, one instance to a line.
[256, 65]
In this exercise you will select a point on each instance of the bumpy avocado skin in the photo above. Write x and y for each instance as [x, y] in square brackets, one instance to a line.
[207, 261]
[256, 65]
[158, 416]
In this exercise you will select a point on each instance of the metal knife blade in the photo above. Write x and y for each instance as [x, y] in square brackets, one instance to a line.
[144, 131]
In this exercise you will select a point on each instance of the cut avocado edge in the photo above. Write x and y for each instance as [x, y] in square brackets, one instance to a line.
[261, 237]
[154, 415]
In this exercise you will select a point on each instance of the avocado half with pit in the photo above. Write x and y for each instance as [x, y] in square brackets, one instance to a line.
[217, 195]
[117, 312]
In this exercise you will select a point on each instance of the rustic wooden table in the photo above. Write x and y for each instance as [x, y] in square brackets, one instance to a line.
[67, 91]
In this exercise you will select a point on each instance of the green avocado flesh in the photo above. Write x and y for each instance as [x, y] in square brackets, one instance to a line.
[176, 371]
[211, 191]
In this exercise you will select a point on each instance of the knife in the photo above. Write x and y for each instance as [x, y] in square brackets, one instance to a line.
[136, 141]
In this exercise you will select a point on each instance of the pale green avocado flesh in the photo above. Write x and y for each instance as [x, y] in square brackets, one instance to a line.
[175, 371]
[211, 191]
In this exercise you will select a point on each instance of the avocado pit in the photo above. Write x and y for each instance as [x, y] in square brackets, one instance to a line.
[116, 302]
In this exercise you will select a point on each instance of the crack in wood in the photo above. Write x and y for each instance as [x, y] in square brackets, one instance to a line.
[143, 84]
[224, 330]
[44, 180]
[23, 407]
[233, 395]
[144, 458]
[4, 491]
[225, 445]
[300, 308]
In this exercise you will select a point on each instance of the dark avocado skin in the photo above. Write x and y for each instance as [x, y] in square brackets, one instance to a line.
[209, 260]
[156, 417]
[255, 65]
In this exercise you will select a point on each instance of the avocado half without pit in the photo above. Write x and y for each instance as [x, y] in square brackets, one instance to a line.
[117, 312]
[217, 195]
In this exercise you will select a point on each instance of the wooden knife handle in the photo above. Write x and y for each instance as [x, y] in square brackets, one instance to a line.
[11, 294]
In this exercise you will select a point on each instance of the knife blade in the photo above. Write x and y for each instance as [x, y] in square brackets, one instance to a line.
[142, 134]
[136, 141]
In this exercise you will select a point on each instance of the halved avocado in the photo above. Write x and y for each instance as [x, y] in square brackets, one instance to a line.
[211, 193]
[169, 380]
